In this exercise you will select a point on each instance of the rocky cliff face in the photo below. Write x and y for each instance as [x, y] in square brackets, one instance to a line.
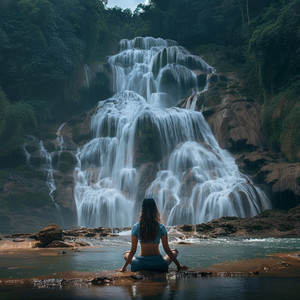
[235, 121]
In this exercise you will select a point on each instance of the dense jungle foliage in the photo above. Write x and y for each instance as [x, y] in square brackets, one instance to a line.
[43, 44]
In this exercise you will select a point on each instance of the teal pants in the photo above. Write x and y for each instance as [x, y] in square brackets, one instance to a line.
[150, 263]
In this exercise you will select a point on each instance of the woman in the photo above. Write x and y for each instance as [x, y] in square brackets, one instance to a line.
[149, 231]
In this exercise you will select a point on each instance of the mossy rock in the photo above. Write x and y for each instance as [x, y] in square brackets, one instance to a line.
[78, 138]
[204, 227]
[67, 158]
[286, 227]
[212, 97]
[229, 227]
[65, 167]
[257, 227]
[31, 148]
[29, 172]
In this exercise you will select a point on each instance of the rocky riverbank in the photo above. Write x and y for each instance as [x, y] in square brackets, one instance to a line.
[270, 223]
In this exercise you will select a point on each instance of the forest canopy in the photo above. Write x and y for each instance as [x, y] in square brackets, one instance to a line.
[43, 43]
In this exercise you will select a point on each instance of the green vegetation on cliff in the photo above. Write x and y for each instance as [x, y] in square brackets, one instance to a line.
[43, 46]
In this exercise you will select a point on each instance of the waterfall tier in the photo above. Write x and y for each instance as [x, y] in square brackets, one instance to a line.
[144, 145]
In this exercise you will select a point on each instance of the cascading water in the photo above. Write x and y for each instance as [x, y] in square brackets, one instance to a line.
[87, 73]
[144, 145]
[60, 139]
[50, 179]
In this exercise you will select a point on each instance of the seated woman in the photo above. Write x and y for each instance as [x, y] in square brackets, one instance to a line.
[149, 231]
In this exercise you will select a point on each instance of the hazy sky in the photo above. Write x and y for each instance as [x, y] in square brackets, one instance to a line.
[132, 4]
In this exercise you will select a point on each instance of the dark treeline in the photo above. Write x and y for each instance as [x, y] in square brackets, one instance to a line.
[43, 43]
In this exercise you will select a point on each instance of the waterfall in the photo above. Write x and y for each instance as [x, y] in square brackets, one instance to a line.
[60, 139]
[143, 145]
[87, 73]
[50, 179]
[29, 139]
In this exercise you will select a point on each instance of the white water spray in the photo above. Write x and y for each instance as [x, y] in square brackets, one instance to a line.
[192, 179]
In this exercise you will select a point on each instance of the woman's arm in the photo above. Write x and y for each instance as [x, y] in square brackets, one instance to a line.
[134, 242]
[165, 243]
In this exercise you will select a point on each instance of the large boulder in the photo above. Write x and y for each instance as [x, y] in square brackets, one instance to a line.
[281, 178]
[49, 234]
[236, 124]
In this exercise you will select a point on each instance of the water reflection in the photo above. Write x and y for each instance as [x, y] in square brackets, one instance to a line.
[195, 288]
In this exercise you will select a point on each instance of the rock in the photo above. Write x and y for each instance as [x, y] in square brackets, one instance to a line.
[58, 244]
[50, 233]
[283, 176]
[100, 280]
[90, 234]
[187, 228]
[237, 125]
[18, 240]
[82, 244]
[213, 78]
[220, 232]
[253, 161]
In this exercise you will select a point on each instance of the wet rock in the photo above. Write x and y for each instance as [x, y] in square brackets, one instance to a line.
[186, 228]
[137, 277]
[90, 234]
[81, 244]
[18, 240]
[285, 264]
[49, 234]
[220, 232]
[255, 273]
[58, 244]
[100, 280]
[184, 243]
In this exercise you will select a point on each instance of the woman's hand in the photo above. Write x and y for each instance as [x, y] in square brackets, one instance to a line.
[122, 270]
[182, 268]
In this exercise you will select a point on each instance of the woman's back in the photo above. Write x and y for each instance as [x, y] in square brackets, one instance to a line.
[149, 247]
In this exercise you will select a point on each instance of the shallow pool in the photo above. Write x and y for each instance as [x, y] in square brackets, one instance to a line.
[107, 254]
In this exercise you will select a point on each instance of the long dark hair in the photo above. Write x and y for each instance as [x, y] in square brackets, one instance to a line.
[149, 220]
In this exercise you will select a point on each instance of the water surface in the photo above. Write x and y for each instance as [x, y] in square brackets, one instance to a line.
[107, 254]
[197, 288]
